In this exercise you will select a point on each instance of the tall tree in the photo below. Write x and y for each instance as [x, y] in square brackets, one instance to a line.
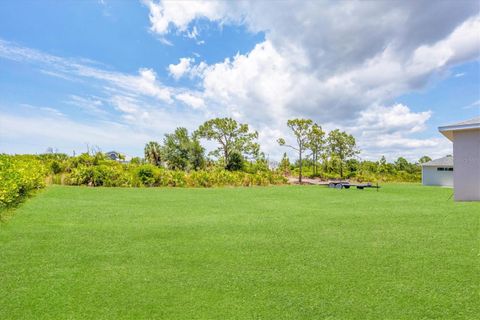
[235, 161]
[153, 153]
[182, 152]
[197, 154]
[424, 159]
[382, 166]
[231, 136]
[401, 164]
[316, 143]
[342, 146]
[301, 129]
[284, 165]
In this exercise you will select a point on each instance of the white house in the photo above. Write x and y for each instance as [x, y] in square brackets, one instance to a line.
[466, 158]
[117, 156]
[438, 172]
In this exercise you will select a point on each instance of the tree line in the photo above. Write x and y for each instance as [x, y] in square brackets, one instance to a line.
[309, 136]
[322, 154]
[180, 160]
[236, 146]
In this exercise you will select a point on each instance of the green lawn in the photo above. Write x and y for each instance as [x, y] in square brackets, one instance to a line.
[405, 252]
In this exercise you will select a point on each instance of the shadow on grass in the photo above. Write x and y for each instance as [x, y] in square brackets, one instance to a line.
[7, 212]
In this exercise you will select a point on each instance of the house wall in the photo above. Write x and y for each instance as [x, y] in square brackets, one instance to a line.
[466, 160]
[432, 177]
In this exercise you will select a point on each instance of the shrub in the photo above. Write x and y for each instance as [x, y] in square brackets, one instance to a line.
[234, 162]
[101, 175]
[55, 167]
[146, 175]
[19, 176]
[199, 179]
[178, 179]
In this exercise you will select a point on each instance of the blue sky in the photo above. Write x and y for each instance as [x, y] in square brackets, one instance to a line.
[120, 73]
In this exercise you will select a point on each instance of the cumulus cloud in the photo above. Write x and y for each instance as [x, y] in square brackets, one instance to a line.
[462, 44]
[181, 68]
[390, 130]
[396, 118]
[256, 86]
[167, 15]
[329, 61]
[340, 74]
[186, 68]
[193, 100]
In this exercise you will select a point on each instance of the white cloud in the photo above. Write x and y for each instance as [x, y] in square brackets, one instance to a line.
[257, 87]
[461, 45]
[396, 118]
[51, 130]
[53, 111]
[186, 67]
[181, 68]
[390, 131]
[311, 66]
[92, 105]
[194, 101]
[329, 61]
[126, 105]
[285, 82]
[148, 84]
[165, 15]
[193, 34]
[139, 104]
[144, 84]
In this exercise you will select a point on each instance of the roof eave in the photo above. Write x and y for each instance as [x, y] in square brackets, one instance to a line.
[447, 133]
[461, 127]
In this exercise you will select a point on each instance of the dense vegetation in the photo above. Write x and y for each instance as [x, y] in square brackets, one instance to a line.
[286, 252]
[332, 155]
[180, 161]
[335, 156]
[400, 170]
[19, 177]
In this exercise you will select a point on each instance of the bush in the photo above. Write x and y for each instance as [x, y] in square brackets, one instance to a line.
[101, 175]
[199, 179]
[235, 162]
[146, 175]
[19, 176]
[55, 167]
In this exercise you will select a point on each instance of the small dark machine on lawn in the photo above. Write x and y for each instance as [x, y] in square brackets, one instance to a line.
[347, 185]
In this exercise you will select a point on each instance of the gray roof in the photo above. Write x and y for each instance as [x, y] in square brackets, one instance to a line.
[467, 122]
[447, 131]
[442, 162]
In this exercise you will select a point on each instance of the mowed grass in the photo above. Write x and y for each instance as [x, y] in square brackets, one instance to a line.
[405, 252]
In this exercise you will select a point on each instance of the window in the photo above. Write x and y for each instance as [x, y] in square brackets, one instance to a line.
[444, 169]
[440, 169]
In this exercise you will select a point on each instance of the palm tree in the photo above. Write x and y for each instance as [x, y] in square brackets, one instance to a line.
[153, 153]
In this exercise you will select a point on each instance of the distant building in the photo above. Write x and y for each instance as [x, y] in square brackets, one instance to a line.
[466, 155]
[438, 172]
[117, 156]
